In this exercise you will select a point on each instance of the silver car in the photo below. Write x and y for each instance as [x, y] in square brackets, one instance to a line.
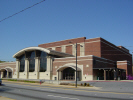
[0, 81]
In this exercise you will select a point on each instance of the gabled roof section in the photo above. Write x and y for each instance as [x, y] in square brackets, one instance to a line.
[48, 51]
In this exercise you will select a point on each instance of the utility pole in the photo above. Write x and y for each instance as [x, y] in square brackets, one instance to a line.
[76, 65]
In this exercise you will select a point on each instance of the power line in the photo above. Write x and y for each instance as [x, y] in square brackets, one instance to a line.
[22, 10]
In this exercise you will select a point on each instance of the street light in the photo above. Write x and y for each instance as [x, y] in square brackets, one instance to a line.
[76, 65]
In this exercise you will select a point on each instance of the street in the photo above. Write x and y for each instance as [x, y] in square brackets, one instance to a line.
[26, 91]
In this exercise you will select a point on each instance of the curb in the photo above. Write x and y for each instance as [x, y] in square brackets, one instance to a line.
[55, 85]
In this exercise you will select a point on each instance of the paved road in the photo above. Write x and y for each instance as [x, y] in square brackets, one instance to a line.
[22, 91]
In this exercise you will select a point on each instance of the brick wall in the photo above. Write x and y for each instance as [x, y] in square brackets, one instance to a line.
[85, 61]
[92, 47]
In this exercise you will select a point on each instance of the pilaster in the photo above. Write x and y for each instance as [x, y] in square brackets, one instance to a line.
[37, 67]
[26, 67]
[49, 66]
[17, 67]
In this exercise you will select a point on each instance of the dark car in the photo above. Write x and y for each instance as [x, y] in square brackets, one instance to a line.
[0, 81]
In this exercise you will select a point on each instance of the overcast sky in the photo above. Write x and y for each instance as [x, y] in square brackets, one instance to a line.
[55, 20]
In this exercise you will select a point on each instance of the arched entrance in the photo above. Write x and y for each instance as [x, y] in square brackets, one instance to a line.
[68, 74]
[6, 73]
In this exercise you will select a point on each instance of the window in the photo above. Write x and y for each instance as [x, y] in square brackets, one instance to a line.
[32, 62]
[43, 62]
[22, 63]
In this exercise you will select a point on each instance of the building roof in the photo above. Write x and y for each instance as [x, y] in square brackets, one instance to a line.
[52, 52]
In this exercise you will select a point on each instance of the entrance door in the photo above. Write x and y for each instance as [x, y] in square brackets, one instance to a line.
[68, 74]
[4, 74]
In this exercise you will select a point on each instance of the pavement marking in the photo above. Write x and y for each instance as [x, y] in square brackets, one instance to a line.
[105, 92]
[54, 96]
[74, 98]
[62, 97]
[50, 95]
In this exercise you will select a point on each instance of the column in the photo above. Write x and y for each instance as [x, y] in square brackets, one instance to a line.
[7, 75]
[49, 67]
[108, 75]
[82, 49]
[63, 48]
[27, 68]
[73, 50]
[1, 74]
[58, 75]
[37, 67]
[104, 74]
[17, 67]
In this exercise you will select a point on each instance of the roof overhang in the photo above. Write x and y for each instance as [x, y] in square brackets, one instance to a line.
[48, 51]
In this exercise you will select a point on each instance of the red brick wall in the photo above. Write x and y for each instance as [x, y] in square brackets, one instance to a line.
[58, 49]
[103, 63]
[69, 49]
[123, 65]
[80, 61]
[64, 42]
[112, 52]
[93, 47]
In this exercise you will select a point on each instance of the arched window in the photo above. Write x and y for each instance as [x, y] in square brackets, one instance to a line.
[43, 61]
[22, 63]
[32, 62]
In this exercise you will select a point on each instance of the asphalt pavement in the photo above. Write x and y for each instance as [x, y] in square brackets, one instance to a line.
[104, 86]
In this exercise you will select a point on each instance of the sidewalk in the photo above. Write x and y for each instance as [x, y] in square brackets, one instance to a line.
[54, 85]
[5, 98]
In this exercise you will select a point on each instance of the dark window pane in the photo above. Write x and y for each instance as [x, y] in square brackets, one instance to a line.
[22, 63]
[32, 62]
[43, 62]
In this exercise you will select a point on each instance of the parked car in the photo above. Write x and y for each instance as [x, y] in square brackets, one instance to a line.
[0, 81]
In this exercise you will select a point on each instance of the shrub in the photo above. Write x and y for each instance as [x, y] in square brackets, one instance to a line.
[84, 84]
[81, 84]
[88, 84]
[64, 83]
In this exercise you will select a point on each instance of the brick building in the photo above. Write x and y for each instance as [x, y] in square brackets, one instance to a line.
[96, 59]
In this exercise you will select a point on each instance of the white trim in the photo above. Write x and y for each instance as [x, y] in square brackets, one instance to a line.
[70, 44]
[6, 68]
[74, 57]
[7, 64]
[73, 60]
[93, 38]
[123, 64]
[30, 49]
[72, 65]
[122, 61]
[93, 41]
[41, 49]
